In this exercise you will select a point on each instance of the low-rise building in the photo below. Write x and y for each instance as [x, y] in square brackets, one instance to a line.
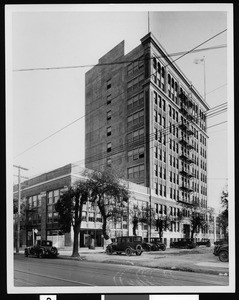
[40, 220]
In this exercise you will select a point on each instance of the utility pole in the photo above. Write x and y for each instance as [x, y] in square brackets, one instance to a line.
[19, 205]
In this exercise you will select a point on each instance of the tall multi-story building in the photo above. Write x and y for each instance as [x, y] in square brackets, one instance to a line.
[145, 118]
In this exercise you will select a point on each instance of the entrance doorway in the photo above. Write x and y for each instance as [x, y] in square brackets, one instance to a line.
[186, 230]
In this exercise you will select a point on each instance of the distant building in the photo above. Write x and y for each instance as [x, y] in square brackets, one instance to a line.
[40, 220]
[144, 117]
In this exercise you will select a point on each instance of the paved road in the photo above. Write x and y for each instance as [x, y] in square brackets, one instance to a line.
[58, 272]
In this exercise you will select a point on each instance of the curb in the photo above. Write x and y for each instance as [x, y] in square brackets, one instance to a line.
[182, 269]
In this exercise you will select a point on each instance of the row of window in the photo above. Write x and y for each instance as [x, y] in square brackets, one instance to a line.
[173, 145]
[135, 101]
[203, 178]
[158, 136]
[159, 119]
[173, 129]
[52, 197]
[158, 74]
[160, 189]
[160, 171]
[173, 113]
[204, 190]
[173, 161]
[135, 172]
[159, 101]
[135, 83]
[135, 136]
[203, 152]
[203, 140]
[160, 154]
[173, 87]
[173, 177]
[135, 66]
[136, 118]
[135, 154]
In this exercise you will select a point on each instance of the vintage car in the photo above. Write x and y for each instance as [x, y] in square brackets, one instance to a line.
[222, 251]
[149, 246]
[42, 248]
[126, 244]
[204, 242]
[160, 245]
[183, 243]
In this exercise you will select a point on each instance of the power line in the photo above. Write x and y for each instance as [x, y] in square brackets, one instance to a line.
[116, 96]
[217, 124]
[83, 160]
[115, 63]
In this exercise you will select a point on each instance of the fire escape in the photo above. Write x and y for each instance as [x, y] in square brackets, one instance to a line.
[185, 154]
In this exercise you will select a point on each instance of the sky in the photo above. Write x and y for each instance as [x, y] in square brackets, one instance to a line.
[42, 102]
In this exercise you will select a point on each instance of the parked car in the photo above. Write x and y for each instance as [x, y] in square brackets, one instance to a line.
[222, 251]
[149, 246]
[205, 242]
[160, 245]
[126, 244]
[42, 248]
[183, 243]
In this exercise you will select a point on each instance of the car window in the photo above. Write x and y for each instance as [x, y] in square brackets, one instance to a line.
[123, 240]
[119, 240]
[127, 239]
[137, 239]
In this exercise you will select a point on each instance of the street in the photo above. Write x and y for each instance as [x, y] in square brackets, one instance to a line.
[32, 271]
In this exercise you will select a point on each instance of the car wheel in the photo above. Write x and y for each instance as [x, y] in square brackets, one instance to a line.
[128, 251]
[154, 248]
[109, 250]
[139, 249]
[223, 256]
[41, 254]
[163, 247]
[26, 254]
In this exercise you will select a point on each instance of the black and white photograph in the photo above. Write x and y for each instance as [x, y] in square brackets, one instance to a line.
[120, 148]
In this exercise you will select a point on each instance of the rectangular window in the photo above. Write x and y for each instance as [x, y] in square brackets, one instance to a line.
[108, 115]
[155, 151]
[156, 188]
[109, 131]
[155, 98]
[109, 147]
[108, 84]
[156, 170]
[108, 99]
[155, 116]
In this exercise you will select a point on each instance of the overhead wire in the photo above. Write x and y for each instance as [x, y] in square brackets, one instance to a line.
[114, 97]
[115, 63]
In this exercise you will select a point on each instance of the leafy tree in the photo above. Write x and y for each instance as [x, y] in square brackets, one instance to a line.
[69, 206]
[162, 223]
[197, 220]
[140, 214]
[223, 216]
[109, 193]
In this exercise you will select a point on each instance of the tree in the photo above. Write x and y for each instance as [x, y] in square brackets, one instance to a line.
[69, 206]
[197, 220]
[223, 216]
[140, 214]
[109, 193]
[162, 223]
